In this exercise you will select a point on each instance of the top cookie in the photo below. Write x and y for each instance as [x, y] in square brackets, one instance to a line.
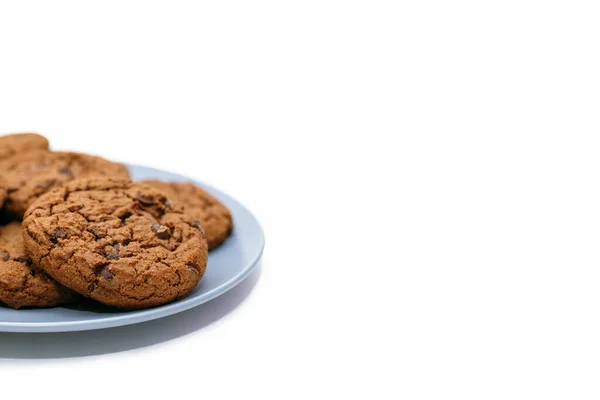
[15, 144]
[29, 175]
[214, 217]
[116, 241]
[22, 285]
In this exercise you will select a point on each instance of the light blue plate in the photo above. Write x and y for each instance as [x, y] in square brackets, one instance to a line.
[228, 265]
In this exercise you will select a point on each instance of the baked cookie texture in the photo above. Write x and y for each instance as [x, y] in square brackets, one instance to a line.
[18, 143]
[206, 210]
[29, 175]
[21, 284]
[119, 242]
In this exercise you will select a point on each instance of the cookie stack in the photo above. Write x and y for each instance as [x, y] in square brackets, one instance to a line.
[75, 227]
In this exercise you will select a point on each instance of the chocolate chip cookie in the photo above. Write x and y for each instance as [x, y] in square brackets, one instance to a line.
[119, 242]
[27, 176]
[211, 214]
[15, 144]
[22, 285]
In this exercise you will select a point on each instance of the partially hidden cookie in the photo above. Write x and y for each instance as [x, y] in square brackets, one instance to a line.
[18, 143]
[116, 241]
[21, 284]
[214, 217]
[29, 175]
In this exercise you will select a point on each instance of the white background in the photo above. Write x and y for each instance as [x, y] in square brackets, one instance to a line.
[426, 173]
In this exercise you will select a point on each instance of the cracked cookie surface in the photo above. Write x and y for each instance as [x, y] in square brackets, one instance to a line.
[214, 217]
[27, 176]
[15, 144]
[119, 242]
[22, 285]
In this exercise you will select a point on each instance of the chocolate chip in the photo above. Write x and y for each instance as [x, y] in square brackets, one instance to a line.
[59, 234]
[117, 247]
[112, 252]
[43, 186]
[23, 259]
[162, 232]
[126, 215]
[5, 256]
[91, 287]
[165, 202]
[106, 274]
[193, 266]
[147, 201]
[198, 225]
[103, 272]
[66, 171]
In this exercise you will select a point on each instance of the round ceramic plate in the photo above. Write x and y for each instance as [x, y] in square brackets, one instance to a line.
[228, 265]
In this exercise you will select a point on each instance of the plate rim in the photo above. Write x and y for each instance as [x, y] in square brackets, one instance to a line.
[152, 313]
